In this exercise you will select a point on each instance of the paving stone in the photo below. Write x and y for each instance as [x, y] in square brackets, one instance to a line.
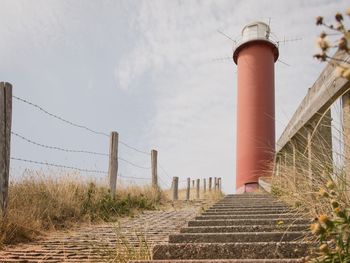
[95, 243]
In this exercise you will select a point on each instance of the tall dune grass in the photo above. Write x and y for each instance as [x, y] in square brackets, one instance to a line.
[318, 184]
[40, 203]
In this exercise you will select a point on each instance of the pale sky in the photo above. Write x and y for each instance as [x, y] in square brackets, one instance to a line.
[148, 70]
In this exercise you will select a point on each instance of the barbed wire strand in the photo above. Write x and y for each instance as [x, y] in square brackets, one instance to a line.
[133, 177]
[163, 182]
[73, 168]
[75, 151]
[59, 165]
[56, 147]
[58, 117]
[162, 168]
[136, 165]
[133, 148]
[75, 124]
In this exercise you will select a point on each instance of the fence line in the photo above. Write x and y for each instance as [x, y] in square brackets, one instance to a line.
[198, 189]
[6, 98]
[75, 124]
[75, 168]
[56, 147]
[59, 165]
[58, 117]
[74, 151]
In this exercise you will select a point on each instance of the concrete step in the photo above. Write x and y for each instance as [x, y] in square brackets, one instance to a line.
[236, 237]
[287, 260]
[267, 216]
[254, 212]
[259, 200]
[242, 206]
[247, 195]
[244, 228]
[252, 221]
[248, 209]
[258, 250]
[224, 201]
[249, 204]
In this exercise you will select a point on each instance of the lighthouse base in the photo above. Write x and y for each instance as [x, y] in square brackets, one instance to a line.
[248, 188]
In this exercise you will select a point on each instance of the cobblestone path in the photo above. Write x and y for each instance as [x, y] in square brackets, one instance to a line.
[98, 243]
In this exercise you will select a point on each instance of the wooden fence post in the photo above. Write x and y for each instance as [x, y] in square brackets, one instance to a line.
[309, 155]
[219, 184]
[188, 189]
[204, 185]
[346, 137]
[175, 188]
[197, 188]
[215, 184]
[192, 183]
[154, 156]
[5, 142]
[210, 184]
[113, 162]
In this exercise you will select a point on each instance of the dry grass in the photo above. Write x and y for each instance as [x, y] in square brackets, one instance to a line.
[125, 251]
[40, 203]
[301, 175]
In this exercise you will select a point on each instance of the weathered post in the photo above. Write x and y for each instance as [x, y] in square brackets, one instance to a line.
[309, 155]
[188, 189]
[220, 185]
[113, 162]
[215, 183]
[197, 188]
[175, 188]
[294, 162]
[154, 155]
[192, 183]
[5, 142]
[210, 183]
[204, 185]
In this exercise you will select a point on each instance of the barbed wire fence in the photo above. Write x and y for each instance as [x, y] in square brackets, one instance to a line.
[6, 100]
[194, 189]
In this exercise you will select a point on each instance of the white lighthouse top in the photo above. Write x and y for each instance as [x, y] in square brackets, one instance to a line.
[256, 30]
[252, 32]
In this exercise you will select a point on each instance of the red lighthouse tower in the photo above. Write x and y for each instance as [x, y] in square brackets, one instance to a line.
[255, 56]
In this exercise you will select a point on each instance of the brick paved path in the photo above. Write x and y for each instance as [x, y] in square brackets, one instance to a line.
[94, 243]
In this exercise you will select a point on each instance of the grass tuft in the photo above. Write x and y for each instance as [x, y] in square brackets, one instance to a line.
[40, 203]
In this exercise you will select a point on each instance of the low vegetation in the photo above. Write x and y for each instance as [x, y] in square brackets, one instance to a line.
[40, 203]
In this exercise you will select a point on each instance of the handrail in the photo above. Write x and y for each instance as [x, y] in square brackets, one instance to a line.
[319, 98]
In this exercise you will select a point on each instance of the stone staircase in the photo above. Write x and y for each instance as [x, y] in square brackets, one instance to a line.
[239, 228]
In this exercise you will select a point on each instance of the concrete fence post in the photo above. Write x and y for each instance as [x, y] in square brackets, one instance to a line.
[154, 157]
[5, 142]
[188, 189]
[210, 184]
[197, 188]
[204, 185]
[113, 162]
[175, 188]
